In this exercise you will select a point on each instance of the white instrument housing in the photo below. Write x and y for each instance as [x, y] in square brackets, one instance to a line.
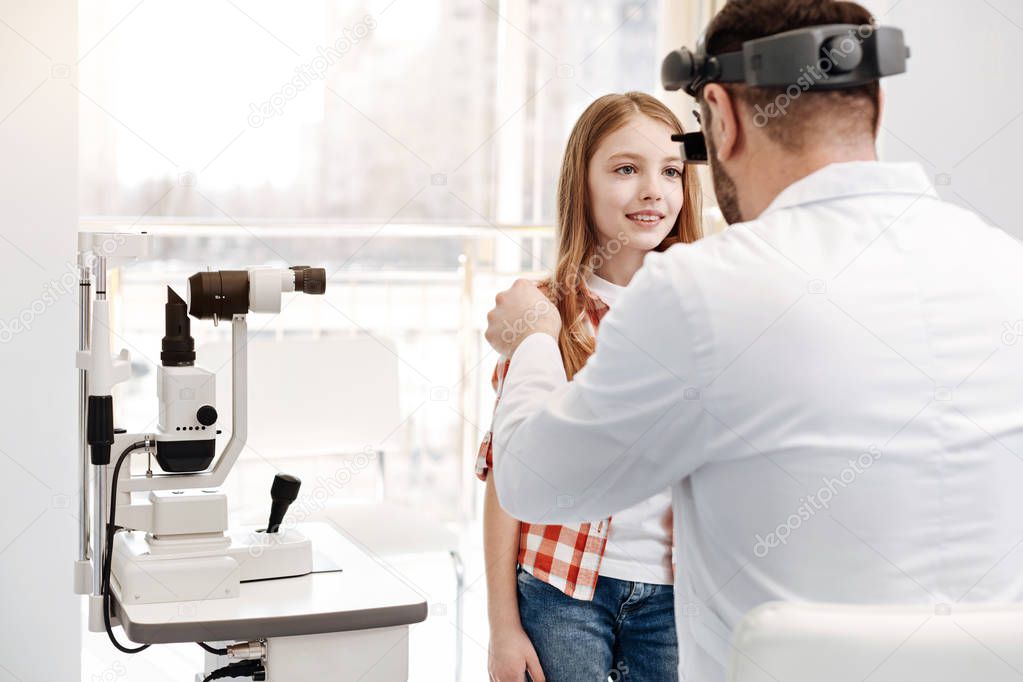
[182, 391]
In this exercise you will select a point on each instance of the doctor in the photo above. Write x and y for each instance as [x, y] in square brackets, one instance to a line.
[833, 386]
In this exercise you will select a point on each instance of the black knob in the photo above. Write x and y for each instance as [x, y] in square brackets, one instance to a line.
[207, 415]
[315, 281]
[283, 492]
[285, 487]
[310, 280]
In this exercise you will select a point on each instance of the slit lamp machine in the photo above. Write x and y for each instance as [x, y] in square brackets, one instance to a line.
[156, 555]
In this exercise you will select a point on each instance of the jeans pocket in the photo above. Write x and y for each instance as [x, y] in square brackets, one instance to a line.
[525, 579]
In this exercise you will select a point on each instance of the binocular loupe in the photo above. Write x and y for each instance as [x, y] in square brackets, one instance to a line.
[827, 57]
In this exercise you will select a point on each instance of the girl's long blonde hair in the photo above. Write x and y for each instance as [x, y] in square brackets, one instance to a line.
[578, 245]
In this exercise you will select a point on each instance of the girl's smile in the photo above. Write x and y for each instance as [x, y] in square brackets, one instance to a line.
[646, 218]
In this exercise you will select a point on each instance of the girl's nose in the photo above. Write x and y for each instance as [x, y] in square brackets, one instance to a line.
[651, 191]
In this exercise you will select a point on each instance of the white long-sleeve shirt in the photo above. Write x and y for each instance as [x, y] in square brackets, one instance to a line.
[834, 391]
[638, 544]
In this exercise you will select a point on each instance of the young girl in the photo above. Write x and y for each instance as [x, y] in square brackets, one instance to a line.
[594, 601]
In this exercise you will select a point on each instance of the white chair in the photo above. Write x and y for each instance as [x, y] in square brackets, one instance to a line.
[839, 643]
[323, 401]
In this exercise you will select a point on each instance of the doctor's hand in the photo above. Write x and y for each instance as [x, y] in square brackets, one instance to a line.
[520, 311]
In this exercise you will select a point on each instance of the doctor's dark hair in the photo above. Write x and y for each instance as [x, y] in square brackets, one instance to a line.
[578, 247]
[837, 113]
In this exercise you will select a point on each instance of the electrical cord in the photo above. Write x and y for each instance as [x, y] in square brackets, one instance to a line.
[249, 668]
[111, 529]
[212, 649]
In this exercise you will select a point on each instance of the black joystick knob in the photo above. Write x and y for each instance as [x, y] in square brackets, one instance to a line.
[283, 492]
[206, 415]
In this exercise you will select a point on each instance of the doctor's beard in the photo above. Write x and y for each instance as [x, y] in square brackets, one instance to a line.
[724, 187]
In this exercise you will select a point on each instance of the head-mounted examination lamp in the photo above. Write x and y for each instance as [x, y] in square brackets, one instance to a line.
[828, 57]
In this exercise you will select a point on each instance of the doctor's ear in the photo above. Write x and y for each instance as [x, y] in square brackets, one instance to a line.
[723, 127]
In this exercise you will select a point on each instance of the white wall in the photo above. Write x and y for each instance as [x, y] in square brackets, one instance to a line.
[39, 614]
[959, 109]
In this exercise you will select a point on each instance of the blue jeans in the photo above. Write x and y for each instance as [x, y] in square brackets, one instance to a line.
[626, 634]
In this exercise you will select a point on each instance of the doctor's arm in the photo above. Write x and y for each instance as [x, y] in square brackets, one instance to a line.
[626, 427]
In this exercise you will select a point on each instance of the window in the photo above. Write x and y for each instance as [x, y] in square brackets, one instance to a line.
[344, 110]
[408, 146]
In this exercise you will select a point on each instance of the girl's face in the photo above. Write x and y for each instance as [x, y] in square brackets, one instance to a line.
[635, 183]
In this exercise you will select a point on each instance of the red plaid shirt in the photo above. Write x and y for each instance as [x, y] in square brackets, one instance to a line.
[567, 557]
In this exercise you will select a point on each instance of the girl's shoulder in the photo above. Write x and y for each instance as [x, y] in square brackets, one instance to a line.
[549, 288]
[555, 291]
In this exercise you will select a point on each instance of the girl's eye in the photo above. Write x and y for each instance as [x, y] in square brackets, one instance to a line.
[631, 169]
[673, 172]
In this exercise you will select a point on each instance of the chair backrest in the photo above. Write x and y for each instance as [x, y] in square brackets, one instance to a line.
[335, 395]
[839, 643]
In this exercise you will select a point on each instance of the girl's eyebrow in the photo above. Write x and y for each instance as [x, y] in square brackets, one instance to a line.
[631, 155]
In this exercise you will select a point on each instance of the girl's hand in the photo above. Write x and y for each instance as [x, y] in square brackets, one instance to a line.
[512, 655]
